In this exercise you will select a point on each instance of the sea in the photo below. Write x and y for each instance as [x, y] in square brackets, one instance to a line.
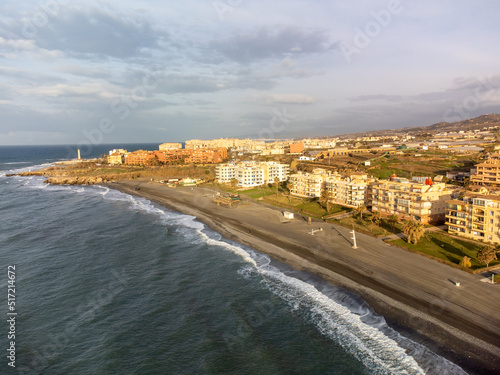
[109, 283]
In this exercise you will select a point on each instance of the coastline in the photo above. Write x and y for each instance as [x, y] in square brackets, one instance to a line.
[413, 293]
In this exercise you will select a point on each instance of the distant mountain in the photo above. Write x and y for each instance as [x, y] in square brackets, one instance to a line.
[484, 121]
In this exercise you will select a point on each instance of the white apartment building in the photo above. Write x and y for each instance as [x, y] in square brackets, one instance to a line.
[251, 174]
[224, 173]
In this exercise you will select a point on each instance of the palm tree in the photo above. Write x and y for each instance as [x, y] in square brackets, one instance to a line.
[326, 195]
[277, 184]
[393, 219]
[289, 186]
[407, 224]
[417, 230]
[359, 211]
[376, 217]
[413, 230]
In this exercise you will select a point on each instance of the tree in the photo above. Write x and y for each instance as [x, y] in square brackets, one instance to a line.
[234, 182]
[465, 262]
[326, 195]
[413, 230]
[486, 254]
[359, 211]
[289, 186]
[393, 219]
[277, 184]
[376, 217]
[407, 224]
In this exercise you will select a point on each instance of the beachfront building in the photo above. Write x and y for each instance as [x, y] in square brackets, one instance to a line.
[488, 173]
[170, 146]
[117, 156]
[141, 157]
[224, 173]
[308, 185]
[423, 201]
[242, 145]
[351, 191]
[475, 216]
[249, 173]
[207, 156]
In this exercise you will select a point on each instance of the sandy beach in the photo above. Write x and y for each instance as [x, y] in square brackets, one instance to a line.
[416, 295]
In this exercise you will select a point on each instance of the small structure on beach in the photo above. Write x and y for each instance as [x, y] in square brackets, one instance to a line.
[228, 200]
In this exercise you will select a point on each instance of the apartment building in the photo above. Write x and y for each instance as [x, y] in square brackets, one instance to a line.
[140, 157]
[233, 143]
[206, 156]
[488, 173]
[308, 185]
[170, 146]
[421, 201]
[117, 156]
[251, 173]
[351, 191]
[475, 216]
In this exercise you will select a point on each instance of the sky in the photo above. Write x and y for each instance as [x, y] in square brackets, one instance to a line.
[76, 72]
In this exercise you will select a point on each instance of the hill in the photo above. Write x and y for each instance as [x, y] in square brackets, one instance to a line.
[478, 123]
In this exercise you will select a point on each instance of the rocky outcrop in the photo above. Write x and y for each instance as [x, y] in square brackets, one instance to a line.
[72, 180]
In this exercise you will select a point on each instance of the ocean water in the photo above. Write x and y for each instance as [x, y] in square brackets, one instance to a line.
[108, 283]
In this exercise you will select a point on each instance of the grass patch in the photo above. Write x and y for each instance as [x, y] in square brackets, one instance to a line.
[365, 225]
[447, 248]
[308, 206]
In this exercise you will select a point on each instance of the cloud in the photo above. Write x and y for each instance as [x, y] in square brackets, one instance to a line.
[98, 32]
[283, 99]
[272, 42]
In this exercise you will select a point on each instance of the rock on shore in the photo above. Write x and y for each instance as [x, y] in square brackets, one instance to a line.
[64, 180]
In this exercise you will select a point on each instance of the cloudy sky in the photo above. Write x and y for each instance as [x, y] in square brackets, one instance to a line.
[156, 71]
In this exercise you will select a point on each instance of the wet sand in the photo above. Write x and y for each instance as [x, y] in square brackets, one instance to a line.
[416, 295]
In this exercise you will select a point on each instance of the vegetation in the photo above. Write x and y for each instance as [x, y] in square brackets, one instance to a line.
[308, 206]
[366, 225]
[486, 254]
[413, 230]
[447, 248]
[465, 262]
[359, 211]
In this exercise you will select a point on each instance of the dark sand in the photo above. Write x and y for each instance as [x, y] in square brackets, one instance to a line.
[415, 294]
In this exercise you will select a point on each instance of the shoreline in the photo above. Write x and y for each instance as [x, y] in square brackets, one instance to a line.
[441, 317]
